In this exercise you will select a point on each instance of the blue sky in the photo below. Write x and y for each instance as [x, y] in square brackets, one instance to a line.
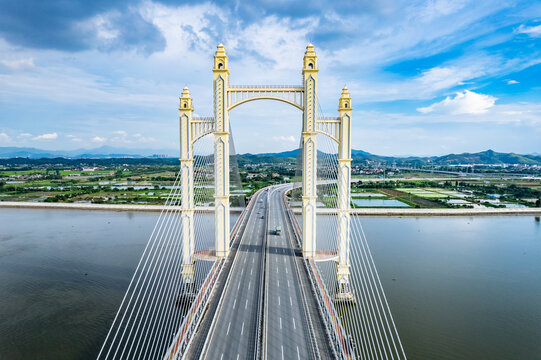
[426, 77]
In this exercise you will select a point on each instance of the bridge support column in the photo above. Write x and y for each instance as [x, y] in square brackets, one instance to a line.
[221, 152]
[345, 292]
[187, 197]
[309, 136]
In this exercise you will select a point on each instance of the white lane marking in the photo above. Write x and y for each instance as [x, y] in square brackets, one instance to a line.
[278, 281]
[238, 287]
[221, 357]
[250, 283]
[282, 352]
[251, 271]
[235, 303]
[298, 354]
[278, 300]
[238, 356]
[286, 271]
[253, 260]
[284, 260]
[246, 305]
[242, 272]
[276, 270]
[228, 326]
[276, 259]
[245, 260]
[288, 283]
[294, 326]
[242, 330]
[290, 301]
[280, 323]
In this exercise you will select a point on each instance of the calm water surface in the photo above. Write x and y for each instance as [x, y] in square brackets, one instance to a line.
[378, 203]
[463, 288]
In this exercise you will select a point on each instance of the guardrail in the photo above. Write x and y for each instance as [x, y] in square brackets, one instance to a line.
[262, 311]
[312, 332]
[266, 87]
[249, 208]
[184, 336]
[333, 326]
[192, 320]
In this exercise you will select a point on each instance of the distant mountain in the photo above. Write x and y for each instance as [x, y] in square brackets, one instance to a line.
[488, 157]
[484, 157]
[100, 152]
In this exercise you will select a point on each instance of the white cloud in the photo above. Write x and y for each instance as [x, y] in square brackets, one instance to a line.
[288, 139]
[4, 137]
[20, 64]
[144, 139]
[533, 31]
[120, 133]
[51, 136]
[511, 82]
[467, 102]
[74, 138]
[98, 139]
[24, 135]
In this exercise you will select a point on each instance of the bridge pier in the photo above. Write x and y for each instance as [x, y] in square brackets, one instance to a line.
[344, 291]
[187, 194]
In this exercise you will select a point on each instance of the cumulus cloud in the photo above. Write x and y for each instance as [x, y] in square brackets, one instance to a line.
[511, 82]
[25, 135]
[51, 136]
[20, 64]
[533, 31]
[99, 139]
[466, 102]
[4, 137]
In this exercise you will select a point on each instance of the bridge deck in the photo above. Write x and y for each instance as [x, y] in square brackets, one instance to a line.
[292, 325]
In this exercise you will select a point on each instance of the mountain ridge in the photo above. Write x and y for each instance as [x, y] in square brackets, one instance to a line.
[489, 156]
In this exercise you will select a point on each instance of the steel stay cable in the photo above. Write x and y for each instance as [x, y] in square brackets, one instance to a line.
[156, 226]
[173, 264]
[177, 268]
[153, 271]
[383, 302]
[375, 333]
[168, 222]
[169, 323]
[352, 324]
[331, 160]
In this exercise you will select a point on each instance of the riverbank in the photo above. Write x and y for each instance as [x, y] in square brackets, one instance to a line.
[358, 211]
[432, 212]
[102, 207]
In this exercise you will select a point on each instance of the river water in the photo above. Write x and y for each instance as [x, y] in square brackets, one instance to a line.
[463, 288]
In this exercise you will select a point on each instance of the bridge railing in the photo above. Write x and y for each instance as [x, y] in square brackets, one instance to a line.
[333, 326]
[266, 87]
[194, 316]
[184, 336]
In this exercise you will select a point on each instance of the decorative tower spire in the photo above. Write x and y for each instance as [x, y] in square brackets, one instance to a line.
[185, 100]
[221, 61]
[310, 60]
[344, 104]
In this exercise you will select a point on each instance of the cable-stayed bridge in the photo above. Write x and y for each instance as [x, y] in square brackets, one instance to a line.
[265, 284]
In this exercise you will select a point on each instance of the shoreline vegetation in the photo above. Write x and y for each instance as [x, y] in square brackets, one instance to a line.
[323, 211]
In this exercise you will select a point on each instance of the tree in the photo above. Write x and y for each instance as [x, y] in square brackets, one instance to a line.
[538, 203]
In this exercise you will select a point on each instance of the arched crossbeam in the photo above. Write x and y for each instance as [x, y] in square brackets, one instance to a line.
[201, 126]
[240, 94]
[329, 126]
